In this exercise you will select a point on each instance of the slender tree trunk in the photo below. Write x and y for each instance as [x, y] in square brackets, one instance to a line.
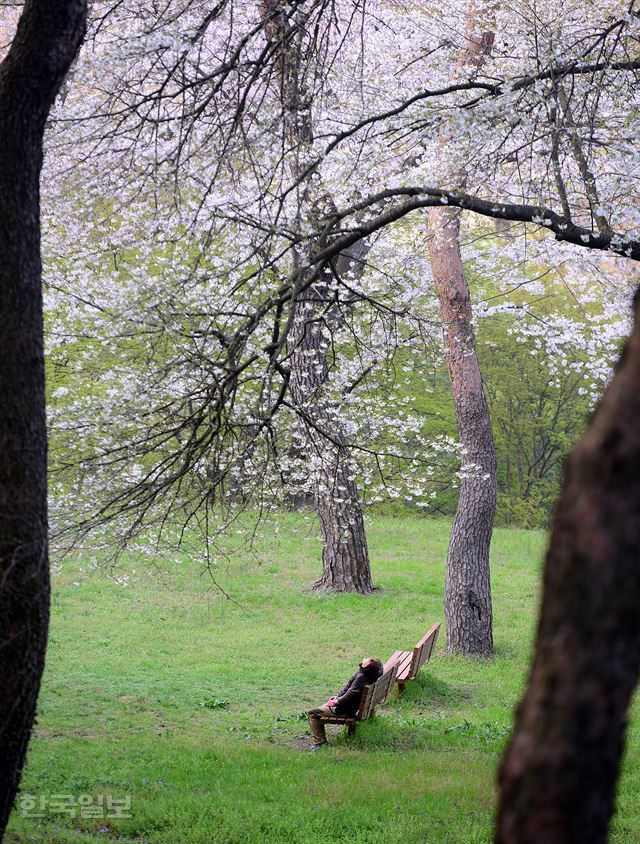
[467, 601]
[47, 39]
[345, 557]
[559, 773]
[468, 610]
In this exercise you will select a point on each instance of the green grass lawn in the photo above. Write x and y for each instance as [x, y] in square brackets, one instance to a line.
[193, 704]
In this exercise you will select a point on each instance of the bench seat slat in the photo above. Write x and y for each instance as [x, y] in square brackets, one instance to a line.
[410, 662]
[404, 665]
[392, 660]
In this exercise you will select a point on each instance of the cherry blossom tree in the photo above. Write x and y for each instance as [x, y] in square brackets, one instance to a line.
[240, 255]
[345, 557]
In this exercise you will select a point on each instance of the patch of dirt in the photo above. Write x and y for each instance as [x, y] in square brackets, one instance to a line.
[303, 743]
[70, 732]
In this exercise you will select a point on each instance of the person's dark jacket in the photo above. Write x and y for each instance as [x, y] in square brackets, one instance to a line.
[349, 696]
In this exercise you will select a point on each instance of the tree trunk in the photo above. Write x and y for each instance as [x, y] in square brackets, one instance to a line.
[47, 39]
[559, 773]
[345, 557]
[467, 599]
[468, 611]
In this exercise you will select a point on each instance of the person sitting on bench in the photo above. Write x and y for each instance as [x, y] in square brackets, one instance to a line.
[346, 702]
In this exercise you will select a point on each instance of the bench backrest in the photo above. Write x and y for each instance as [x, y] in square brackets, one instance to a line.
[376, 693]
[423, 650]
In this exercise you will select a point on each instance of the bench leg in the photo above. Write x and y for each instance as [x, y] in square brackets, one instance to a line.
[401, 684]
[351, 728]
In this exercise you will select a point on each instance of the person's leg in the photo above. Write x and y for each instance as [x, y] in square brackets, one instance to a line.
[317, 727]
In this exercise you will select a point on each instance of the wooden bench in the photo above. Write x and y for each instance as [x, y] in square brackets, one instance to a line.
[372, 695]
[410, 662]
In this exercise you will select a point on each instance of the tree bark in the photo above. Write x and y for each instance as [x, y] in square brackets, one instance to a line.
[345, 557]
[467, 600]
[47, 39]
[468, 609]
[559, 773]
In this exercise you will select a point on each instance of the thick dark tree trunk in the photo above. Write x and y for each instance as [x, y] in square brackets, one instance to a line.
[467, 601]
[559, 773]
[345, 558]
[48, 37]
